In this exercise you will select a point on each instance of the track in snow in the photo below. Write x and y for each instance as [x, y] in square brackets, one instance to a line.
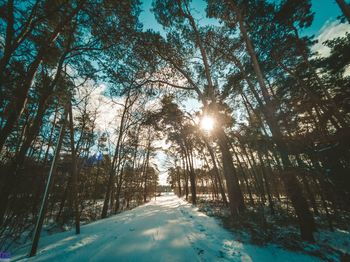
[166, 229]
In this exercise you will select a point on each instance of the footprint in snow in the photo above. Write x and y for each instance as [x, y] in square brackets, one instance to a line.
[201, 228]
[236, 254]
[131, 229]
[221, 254]
[200, 251]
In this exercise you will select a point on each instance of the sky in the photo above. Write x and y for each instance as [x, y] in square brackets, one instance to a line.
[325, 10]
[325, 26]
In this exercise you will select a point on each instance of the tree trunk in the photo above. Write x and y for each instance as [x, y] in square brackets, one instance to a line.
[185, 176]
[192, 178]
[235, 196]
[179, 182]
[8, 39]
[267, 186]
[294, 192]
[190, 175]
[115, 157]
[145, 171]
[49, 183]
[17, 105]
[243, 175]
[344, 8]
[217, 173]
[293, 189]
[74, 186]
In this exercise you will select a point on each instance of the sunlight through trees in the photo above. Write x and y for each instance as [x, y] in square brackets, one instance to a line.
[207, 123]
[90, 96]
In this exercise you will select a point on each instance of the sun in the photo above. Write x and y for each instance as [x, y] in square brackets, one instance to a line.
[207, 123]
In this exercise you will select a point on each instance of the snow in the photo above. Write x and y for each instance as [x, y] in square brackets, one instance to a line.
[338, 240]
[165, 229]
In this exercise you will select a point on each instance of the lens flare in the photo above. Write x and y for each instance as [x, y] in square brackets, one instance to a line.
[207, 123]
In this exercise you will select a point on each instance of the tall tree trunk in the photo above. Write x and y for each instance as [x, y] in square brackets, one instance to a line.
[217, 173]
[112, 171]
[63, 200]
[117, 194]
[243, 175]
[49, 183]
[44, 99]
[52, 131]
[74, 186]
[179, 181]
[273, 176]
[31, 133]
[235, 196]
[8, 39]
[18, 103]
[267, 186]
[184, 168]
[145, 169]
[257, 176]
[192, 177]
[190, 174]
[345, 8]
[293, 189]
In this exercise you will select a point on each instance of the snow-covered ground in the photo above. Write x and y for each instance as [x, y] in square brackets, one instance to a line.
[165, 229]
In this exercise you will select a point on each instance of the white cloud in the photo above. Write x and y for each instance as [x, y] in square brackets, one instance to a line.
[330, 30]
[153, 104]
[107, 110]
[191, 105]
[347, 71]
[160, 161]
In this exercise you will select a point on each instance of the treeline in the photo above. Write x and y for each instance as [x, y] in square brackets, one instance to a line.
[281, 113]
[54, 56]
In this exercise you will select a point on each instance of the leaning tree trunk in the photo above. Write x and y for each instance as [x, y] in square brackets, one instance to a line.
[345, 9]
[49, 184]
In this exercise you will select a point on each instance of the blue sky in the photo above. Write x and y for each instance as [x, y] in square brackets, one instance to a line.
[325, 10]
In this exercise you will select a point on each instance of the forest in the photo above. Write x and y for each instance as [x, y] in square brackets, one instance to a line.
[252, 122]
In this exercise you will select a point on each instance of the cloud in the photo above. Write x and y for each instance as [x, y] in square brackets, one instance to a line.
[160, 161]
[347, 71]
[330, 30]
[107, 110]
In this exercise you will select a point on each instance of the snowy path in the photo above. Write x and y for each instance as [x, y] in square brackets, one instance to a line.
[167, 229]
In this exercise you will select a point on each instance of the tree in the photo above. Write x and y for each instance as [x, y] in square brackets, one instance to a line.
[182, 21]
[345, 8]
